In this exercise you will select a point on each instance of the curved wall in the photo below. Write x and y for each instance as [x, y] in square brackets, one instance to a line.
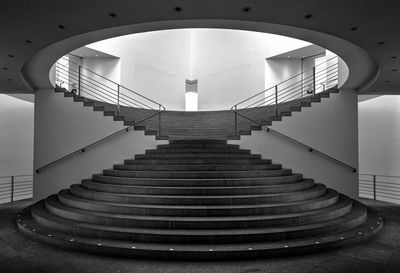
[228, 64]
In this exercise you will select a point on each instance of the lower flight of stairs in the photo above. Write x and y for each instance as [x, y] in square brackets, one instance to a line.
[198, 199]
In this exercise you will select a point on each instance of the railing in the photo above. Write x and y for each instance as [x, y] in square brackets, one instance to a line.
[262, 107]
[380, 187]
[93, 87]
[86, 83]
[15, 187]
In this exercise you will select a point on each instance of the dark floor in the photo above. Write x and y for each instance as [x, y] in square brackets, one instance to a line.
[380, 254]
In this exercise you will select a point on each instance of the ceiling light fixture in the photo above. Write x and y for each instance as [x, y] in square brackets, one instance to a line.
[11, 56]
[28, 41]
[178, 9]
[112, 14]
[247, 9]
[61, 26]
[381, 42]
[308, 16]
[354, 28]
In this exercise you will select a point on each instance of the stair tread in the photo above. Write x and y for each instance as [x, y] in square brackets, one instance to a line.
[317, 187]
[357, 211]
[343, 202]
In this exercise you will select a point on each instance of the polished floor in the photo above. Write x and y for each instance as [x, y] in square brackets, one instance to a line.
[380, 254]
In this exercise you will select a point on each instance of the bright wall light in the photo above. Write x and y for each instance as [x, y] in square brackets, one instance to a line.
[191, 101]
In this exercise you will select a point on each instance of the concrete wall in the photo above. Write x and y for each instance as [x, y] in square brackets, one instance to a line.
[329, 126]
[228, 64]
[379, 135]
[16, 136]
[63, 126]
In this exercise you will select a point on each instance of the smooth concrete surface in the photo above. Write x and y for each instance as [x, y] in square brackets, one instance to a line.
[330, 127]
[379, 254]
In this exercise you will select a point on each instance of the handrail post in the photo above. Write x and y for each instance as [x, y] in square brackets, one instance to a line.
[159, 119]
[236, 125]
[374, 185]
[12, 189]
[314, 86]
[118, 90]
[276, 100]
[79, 80]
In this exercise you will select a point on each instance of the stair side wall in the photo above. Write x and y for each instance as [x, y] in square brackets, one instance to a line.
[330, 126]
[63, 126]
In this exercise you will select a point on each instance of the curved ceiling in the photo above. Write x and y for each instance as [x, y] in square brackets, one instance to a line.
[364, 33]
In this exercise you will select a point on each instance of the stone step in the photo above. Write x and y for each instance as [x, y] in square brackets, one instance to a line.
[213, 236]
[330, 198]
[196, 182]
[176, 251]
[197, 156]
[209, 167]
[198, 151]
[198, 161]
[183, 190]
[342, 207]
[198, 174]
[200, 200]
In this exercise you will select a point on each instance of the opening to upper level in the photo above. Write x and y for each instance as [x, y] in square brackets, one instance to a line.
[231, 65]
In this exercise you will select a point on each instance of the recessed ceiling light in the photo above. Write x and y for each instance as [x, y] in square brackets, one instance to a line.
[112, 14]
[394, 57]
[178, 9]
[5, 68]
[308, 16]
[354, 28]
[386, 81]
[394, 70]
[28, 41]
[247, 9]
[9, 80]
[381, 42]
[61, 26]
[11, 56]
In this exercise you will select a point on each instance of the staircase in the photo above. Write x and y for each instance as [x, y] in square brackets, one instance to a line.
[198, 199]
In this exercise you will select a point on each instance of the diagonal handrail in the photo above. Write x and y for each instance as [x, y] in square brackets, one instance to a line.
[309, 148]
[286, 91]
[73, 74]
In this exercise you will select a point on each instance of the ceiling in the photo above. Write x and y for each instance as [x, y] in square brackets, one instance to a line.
[300, 53]
[28, 28]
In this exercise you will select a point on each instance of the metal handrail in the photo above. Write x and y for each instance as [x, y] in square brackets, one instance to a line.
[309, 148]
[82, 150]
[286, 94]
[13, 189]
[98, 90]
[378, 189]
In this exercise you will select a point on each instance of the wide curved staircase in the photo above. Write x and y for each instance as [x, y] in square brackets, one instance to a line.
[198, 199]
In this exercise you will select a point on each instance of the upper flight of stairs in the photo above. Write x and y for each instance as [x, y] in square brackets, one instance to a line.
[198, 199]
[202, 124]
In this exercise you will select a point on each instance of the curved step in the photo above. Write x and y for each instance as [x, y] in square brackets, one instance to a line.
[316, 191]
[205, 155]
[221, 150]
[183, 190]
[198, 174]
[330, 198]
[195, 182]
[197, 161]
[371, 226]
[350, 220]
[167, 222]
[248, 167]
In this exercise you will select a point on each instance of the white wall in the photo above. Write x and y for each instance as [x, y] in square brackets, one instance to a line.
[228, 64]
[331, 127]
[110, 68]
[16, 136]
[63, 126]
[379, 135]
